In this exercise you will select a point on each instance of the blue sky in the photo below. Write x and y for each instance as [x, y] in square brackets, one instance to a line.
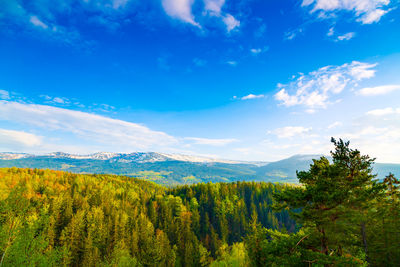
[249, 80]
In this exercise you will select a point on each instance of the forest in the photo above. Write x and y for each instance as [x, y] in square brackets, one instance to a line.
[339, 215]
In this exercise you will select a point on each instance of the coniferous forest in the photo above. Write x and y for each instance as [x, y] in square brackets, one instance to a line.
[339, 215]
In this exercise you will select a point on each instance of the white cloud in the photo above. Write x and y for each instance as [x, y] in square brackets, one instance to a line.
[346, 36]
[384, 111]
[180, 9]
[230, 22]
[88, 126]
[232, 62]
[310, 111]
[214, 5]
[331, 31]
[214, 8]
[314, 89]
[116, 4]
[211, 142]
[64, 101]
[257, 51]
[111, 14]
[11, 138]
[252, 96]
[366, 11]
[335, 125]
[290, 35]
[59, 100]
[360, 71]
[290, 131]
[22, 14]
[377, 133]
[4, 94]
[373, 16]
[37, 22]
[385, 140]
[378, 90]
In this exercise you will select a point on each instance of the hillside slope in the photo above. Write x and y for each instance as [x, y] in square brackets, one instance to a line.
[54, 218]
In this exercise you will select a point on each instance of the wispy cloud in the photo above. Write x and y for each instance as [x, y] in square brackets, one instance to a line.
[249, 96]
[230, 22]
[180, 9]
[373, 16]
[290, 35]
[365, 11]
[56, 100]
[335, 125]
[336, 37]
[117, 4]
[11, 138]
[232, 62]
[290, 131]
[4, 94]
[37, 22]
[213, 8]
[380, 127]
[378, 90]
[384, 111]
[256, 51]
[39, 16]
[211, 142]
[331, 31]
[346, 36]
[315, 89]
[85, 125]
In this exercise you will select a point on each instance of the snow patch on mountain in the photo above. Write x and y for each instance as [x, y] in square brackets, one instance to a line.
[11, 155]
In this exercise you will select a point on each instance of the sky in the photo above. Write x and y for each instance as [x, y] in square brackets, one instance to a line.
[236, 79]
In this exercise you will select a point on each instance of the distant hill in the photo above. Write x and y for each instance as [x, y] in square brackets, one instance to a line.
[173, 169]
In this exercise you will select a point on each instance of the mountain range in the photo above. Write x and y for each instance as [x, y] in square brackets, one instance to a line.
[173, 169]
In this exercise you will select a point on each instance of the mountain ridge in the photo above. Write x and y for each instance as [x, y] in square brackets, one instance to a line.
[140, 157]
[174, 169]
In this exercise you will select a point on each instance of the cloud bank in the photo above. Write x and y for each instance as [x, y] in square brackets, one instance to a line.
[88, 126]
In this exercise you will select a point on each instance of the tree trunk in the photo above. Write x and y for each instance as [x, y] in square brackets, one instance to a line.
[324, 243]
[364, 239]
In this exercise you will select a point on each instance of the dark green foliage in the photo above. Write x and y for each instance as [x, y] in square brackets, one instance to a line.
[225, 210]
[348, 218]
[383, 235]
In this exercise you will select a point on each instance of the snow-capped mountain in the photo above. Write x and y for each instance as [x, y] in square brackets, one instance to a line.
[172, 169]
[11, 155]
[138, 157]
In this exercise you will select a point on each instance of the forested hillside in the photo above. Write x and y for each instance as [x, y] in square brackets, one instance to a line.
[340, 215]
[58, 218]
